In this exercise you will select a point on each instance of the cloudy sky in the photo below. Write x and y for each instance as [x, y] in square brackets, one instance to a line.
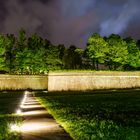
[71, 21]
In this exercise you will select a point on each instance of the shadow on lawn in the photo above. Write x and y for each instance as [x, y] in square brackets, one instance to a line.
[9, 102]
[109, 114]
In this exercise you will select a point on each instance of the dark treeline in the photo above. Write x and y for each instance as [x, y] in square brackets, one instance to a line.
[35, 55]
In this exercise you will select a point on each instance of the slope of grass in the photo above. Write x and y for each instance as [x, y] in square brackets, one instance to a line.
[8, 103]
[94, 72]
[5, 127]
[109, 116]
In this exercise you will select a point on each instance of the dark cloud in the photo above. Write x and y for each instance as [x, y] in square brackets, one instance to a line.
[3, 13]
[118, 23]
[70, 21]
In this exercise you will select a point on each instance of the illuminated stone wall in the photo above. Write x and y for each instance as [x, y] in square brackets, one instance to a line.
[19, 82]
[69, 81]
[89, 81]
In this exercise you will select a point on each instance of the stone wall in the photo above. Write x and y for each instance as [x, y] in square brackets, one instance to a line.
[69, 81]
[89, 81]
[22, 82]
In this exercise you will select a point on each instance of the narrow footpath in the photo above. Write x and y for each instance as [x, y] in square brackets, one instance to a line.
[38, 124]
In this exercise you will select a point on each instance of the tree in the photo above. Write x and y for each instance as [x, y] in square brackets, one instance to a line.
[22, 61]
[21, 43]
[133, 53]
[38, 63]
[10, 52]
[97, 49]
[35, 42]
[36, 55]
[138, 44]
[117, 55]
[61, 49]
[20, 52]
[79, 58]
[53, 58]
[72, 58]
[2, 53]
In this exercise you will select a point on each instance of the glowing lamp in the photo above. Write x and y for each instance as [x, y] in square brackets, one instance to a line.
[19, 111]
[15, 128]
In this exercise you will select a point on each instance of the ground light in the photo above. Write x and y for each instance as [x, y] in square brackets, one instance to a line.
[14, 128]
[31, 126]
[30, 106]
[24, 99]
[34, 113]
[19, 112]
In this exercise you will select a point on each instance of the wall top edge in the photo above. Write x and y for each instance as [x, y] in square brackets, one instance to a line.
[94, 74]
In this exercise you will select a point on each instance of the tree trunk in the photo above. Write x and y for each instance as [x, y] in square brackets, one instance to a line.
[97, 65]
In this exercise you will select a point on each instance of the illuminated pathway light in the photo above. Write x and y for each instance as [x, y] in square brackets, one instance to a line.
[24, 98]
[31, 102]
[30, 106]
[33, 113]
[37, 122]
[26, 92]
[137, 89]
[36, 126]
[33, 127]
[14, 128]
[18, 112]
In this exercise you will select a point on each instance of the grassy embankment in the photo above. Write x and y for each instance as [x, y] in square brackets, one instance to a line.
[8, 102]
[100, 72]
[110, 115]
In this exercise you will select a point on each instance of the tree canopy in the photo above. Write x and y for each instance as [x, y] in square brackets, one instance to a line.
[35, 55]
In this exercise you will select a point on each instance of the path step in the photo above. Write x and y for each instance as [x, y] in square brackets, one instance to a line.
[38, 124]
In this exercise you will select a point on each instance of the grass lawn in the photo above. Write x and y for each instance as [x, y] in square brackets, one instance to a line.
[101, 115]
[99, 73]
[8, 103]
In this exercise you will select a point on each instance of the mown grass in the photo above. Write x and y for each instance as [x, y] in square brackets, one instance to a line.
[8, 103]
[113, 115]
[9, 100]
[5, 127]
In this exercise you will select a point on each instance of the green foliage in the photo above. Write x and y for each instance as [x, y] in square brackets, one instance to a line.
[53, 58]
[2, 52]
[113, 115]
[22, 60]
[134, 53]
[5, 132]
[21, 43]
[97, 49]
[118, 53]
[35, 42]
[114, 52]
[10, 52]
[8, 103]
[35, 55]
[72, 58]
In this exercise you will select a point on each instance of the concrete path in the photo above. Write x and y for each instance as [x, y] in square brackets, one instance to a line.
[38, 124]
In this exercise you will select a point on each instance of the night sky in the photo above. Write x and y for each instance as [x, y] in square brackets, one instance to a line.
[71, 21]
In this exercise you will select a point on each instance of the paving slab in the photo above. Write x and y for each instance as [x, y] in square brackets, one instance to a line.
[38, 124]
